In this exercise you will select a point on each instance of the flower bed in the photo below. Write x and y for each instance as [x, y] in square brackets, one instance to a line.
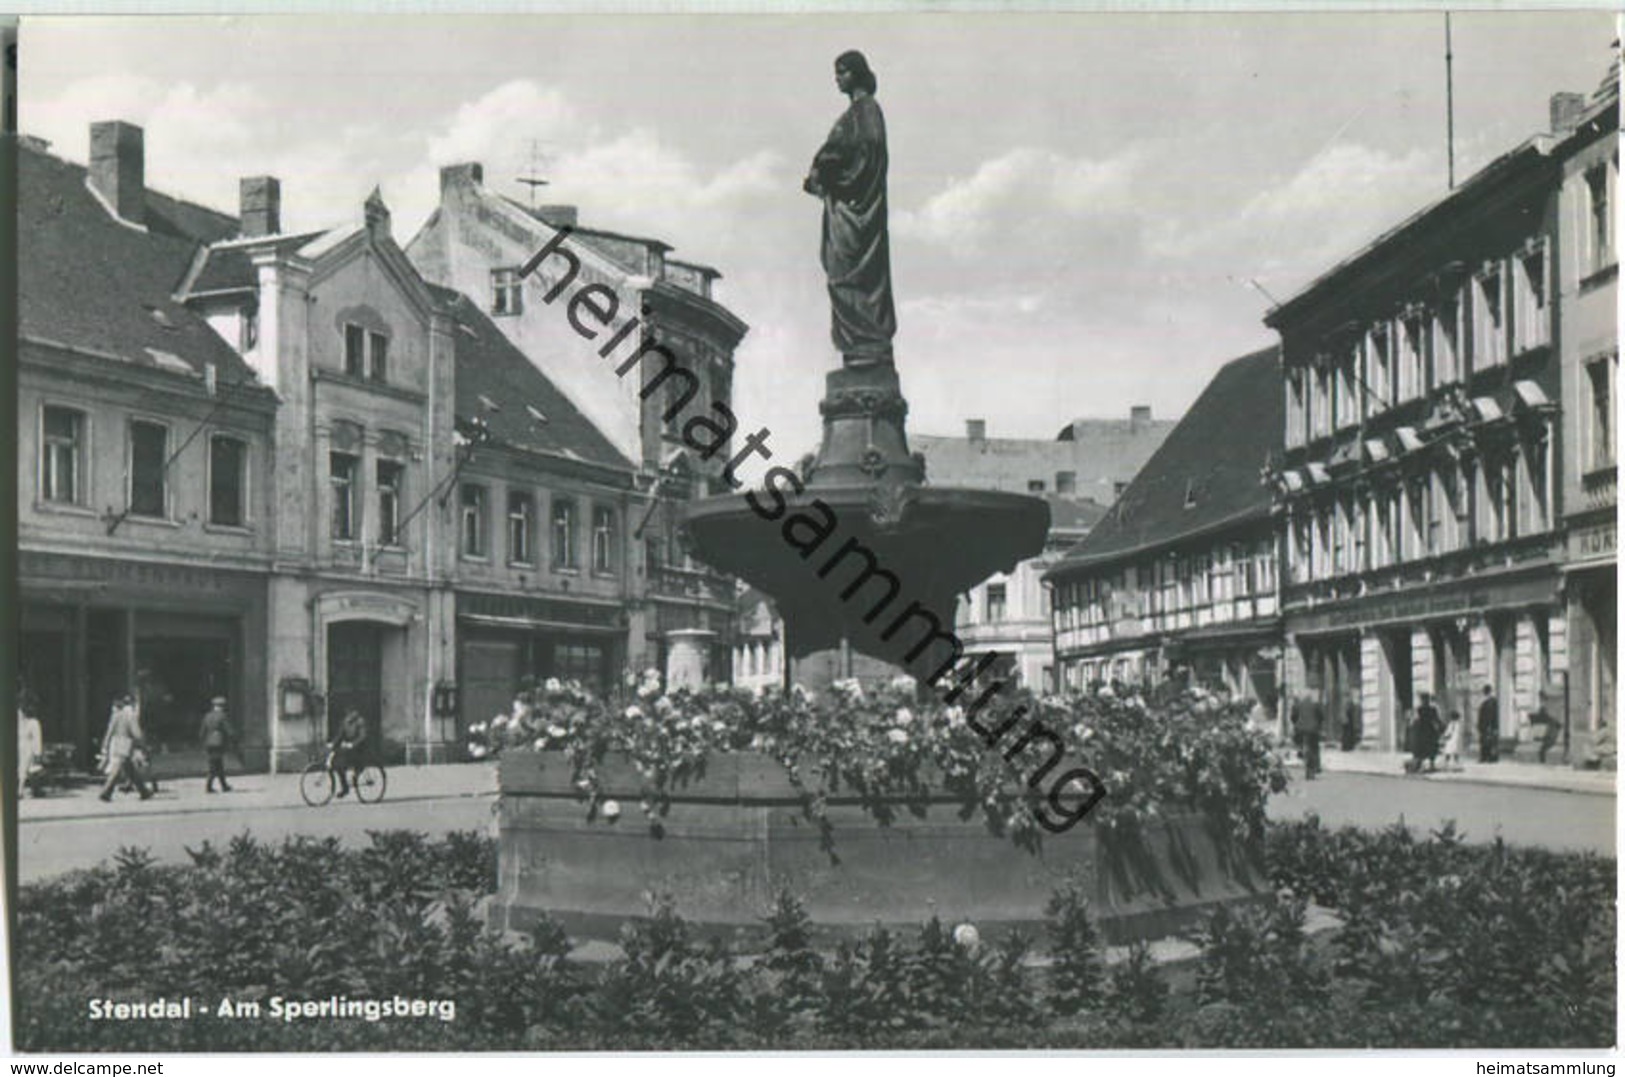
[308, 918]
[871, 806]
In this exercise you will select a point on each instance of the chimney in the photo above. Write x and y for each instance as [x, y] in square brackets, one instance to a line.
[376, 215]
[976, 429]
[558, 216]
[1139, 417]
[259, 201]
[118, 168]
[464, 175]
[1566, 109]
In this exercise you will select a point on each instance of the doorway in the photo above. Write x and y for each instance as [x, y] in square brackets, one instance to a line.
[355, 675]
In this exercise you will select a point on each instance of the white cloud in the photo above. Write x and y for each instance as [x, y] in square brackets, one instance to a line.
[1017, 188]
[1341, 199]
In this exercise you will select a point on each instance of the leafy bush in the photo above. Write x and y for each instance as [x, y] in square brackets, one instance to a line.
[1182, 752]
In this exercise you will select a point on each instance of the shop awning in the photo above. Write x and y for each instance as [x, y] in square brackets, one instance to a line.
[530, 625]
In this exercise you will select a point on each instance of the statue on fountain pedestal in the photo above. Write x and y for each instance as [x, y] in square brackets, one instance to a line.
[849, 174]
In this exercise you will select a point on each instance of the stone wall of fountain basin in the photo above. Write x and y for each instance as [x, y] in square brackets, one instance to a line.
[733, 836]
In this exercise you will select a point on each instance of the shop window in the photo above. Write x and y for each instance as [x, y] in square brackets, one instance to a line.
[391, 479]
[521, 524]
[342, 469]
[564, 533]
[603, 540]
[62, 461]
[473, 538]
[149, 455]
[228, 480]
[995, 603]
[579, 662]
[1600, 224]
[1601, 375]
[507, 292]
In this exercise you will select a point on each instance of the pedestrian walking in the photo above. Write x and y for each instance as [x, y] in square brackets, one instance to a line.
[216, 736]
[1308, 724]
[120, 745]
[1426, 734]
[30, 745]
[1489, 727]
[1452, 742]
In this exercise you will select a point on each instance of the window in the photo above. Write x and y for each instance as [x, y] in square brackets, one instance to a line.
[1295, 429]
[1379, 371]
[355, 349]
[342, 468]
[579, 662]
[1531, 324]
[250, 328]
[228, 480]
[564, 533]
[1600, 226]
[149, 451]
[1447, 342]
[1412, 356]
[1347, 406]
[521, 524]
[472, 500]
[1489, 322]
[1534, 510]
[1320, 403]
[391, 475]
[507, 292]
[1601, 375]
[62, 462]
[995, 602]
[1035, 486]
[378, 359]
[1066, 482]
[603, 539]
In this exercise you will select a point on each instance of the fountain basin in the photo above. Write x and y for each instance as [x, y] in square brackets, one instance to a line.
[735, 835]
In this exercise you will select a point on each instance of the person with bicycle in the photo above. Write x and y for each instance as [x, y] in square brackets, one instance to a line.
[346, 751]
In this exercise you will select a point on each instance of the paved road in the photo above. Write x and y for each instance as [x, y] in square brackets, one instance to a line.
[52, 845]
[1551, 818]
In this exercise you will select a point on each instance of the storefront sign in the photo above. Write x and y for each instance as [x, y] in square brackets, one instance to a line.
[48, 568]
[1597, 541]
[1417, 605]
[546, 610]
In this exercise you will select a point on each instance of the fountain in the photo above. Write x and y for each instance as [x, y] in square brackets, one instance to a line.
[855, 547]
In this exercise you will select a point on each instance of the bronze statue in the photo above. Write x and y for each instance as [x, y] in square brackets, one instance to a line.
[849, 174]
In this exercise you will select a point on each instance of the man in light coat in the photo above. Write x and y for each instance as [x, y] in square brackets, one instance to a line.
[123, 737]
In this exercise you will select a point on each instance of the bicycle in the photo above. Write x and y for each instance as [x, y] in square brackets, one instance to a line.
[316, 783]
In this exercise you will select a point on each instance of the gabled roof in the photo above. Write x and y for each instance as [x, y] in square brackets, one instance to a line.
[520, 406]
[94, 284]
[1206, 474]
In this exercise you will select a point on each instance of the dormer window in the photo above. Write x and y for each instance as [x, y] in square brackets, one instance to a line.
[507, 294]
[366, 354]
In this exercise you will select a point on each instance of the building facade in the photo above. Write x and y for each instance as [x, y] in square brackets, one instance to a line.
[1079, 472]
[479, 242]
[144, 456]
[1181, 573]
[1427, 452]
[284, 468]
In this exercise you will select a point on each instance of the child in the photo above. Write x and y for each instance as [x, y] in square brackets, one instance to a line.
[1452, 742]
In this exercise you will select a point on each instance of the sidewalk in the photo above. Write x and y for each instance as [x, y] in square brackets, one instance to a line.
[1508, 772]
[253, 791]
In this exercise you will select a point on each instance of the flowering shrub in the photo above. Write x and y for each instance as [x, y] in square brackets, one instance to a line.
[1177, 753]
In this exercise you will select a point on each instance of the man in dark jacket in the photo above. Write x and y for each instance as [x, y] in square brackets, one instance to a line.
[215, 734]
[1489, 728]
[1309, 722]
[347, 750]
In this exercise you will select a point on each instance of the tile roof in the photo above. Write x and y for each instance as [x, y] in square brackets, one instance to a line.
[228, 268]
[92, 283]
[1100, 454]
[1207, 472]
[529, 412]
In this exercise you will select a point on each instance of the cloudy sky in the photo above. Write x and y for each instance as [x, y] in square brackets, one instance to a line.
[1078, 203]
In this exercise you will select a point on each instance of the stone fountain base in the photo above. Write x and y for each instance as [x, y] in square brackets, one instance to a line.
[735, 836]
